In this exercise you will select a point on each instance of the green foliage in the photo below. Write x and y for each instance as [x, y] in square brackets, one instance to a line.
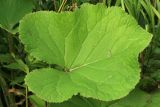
[12, 11]
[90, 59]
[75, 101]
[138, 98]
[78, 101]
[16, 63]
[37, 102]
[154, 100]
[133, 8]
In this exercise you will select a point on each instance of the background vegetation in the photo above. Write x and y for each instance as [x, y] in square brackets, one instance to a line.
[15, 62]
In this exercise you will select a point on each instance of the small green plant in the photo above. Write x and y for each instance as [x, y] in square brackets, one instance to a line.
[94, 51]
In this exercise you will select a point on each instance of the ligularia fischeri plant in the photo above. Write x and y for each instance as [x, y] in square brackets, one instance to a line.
[96, 48]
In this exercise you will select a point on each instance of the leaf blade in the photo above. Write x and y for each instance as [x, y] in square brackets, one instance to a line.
[95, 58]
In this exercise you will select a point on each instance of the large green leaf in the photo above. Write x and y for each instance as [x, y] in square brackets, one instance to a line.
[11, 11]
[154, 100]
[36, 102]
[139, 98]
[77, 101]
[136, 98]
[96, 47]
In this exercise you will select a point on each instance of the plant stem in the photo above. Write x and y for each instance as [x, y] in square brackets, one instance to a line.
[104, 2]
[62, 5]
[10, 43]
[54, 4]
[26, 96]
[46, 104]
[122, 4]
